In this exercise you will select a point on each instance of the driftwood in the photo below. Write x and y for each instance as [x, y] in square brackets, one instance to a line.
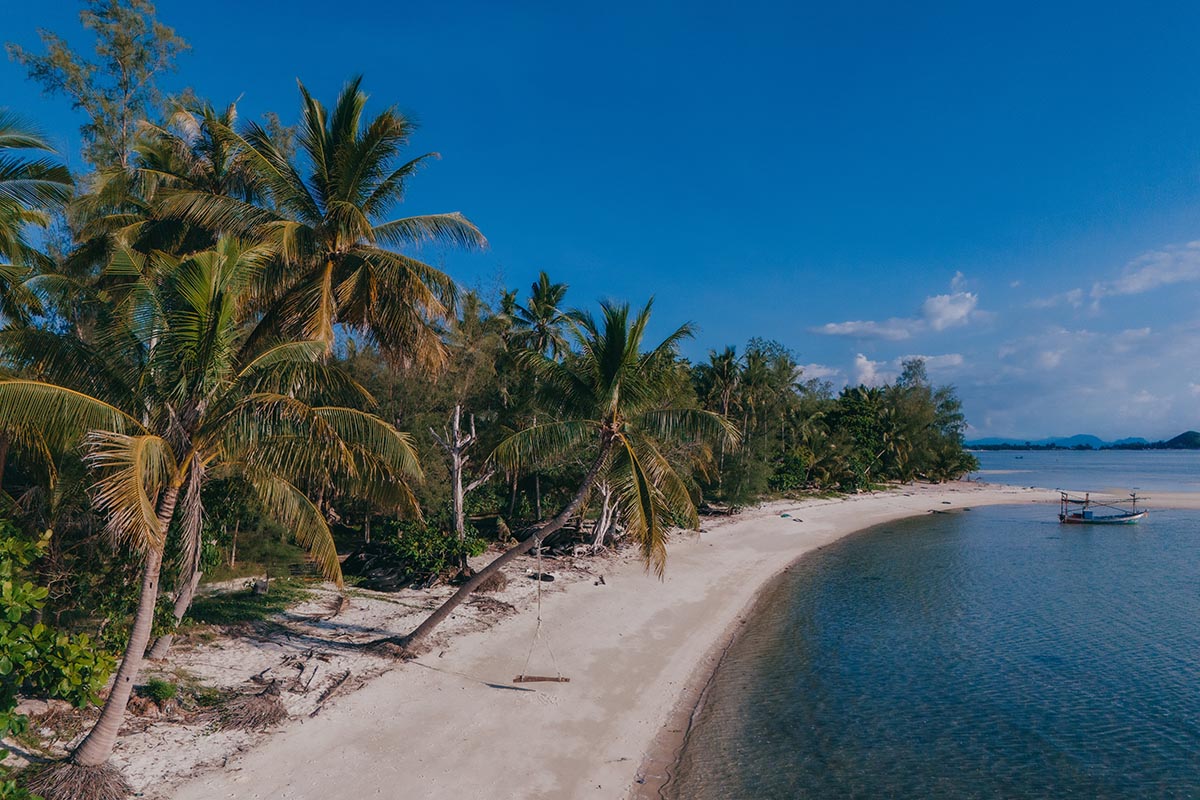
[329, 692]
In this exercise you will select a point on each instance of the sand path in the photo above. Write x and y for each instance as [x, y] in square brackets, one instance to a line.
[435, 729]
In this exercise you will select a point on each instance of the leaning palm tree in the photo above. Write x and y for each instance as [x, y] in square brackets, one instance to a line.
[338, 257]
[611, 404]
[172, 395]
[31, 186]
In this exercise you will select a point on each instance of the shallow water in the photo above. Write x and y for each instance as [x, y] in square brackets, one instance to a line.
[1081, 471]
[985, 654]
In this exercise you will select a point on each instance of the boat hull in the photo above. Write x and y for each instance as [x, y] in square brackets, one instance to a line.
[1115, 519]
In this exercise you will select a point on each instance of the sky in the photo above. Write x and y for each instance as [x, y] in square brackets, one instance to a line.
[1010, 190]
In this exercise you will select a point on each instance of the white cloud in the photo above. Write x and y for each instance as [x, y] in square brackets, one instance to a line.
[877, 373]
[818, 371]
[893, 330]
[944, 361]
[949, 310]
[1128, 339]
[868, 372]
[938, 312]
[1073, 298]
[1059, 381]
[1050, 359]
[1172, 264]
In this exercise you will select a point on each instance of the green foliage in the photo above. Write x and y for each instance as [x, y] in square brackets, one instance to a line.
[33, 656]
[118, 88]
[159, 690]
[428, 550]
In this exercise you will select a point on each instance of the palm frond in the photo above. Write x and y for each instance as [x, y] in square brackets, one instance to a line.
[541, 444]
[453, 228]
[292, 509]
[134, 471]
[686, 425]
[640, 501]
[64, 416]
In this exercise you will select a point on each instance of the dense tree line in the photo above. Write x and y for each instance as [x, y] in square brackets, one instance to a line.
[221, 336]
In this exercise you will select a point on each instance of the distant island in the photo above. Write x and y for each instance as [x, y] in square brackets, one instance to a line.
[1188, 440]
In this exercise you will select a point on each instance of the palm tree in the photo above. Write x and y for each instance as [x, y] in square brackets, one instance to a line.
[719, 380]
[172, 395]
[31, 186]
[540, 329]
[325, 216]
[611, 402]
[541, 321]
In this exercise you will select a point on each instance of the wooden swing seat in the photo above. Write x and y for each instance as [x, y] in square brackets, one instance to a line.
[541, 679]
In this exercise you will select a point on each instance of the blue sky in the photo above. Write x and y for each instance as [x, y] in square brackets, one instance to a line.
[1010, 190]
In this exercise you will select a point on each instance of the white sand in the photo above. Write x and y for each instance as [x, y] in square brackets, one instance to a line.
[434, 728]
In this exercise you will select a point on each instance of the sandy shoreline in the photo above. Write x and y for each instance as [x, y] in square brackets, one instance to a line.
[637, 651]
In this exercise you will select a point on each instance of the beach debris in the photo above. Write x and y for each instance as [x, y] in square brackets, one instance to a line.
[496, 582]
[540, 576]
[329, 692]
[492, 605]
[249, 712]
[785, 516]
[599, 581]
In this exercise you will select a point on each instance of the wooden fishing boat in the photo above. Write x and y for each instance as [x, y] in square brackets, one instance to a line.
[1086, 511]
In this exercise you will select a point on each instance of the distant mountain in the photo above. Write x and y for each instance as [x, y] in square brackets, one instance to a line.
[1189, 440]
[1078, 440]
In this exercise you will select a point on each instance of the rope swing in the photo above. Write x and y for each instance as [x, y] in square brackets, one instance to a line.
[525, 677]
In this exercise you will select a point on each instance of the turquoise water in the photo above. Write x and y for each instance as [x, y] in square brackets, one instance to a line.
[986, 654]
[1080, 471]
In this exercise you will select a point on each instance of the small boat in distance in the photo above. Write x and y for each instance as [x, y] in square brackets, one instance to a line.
[1076, 511]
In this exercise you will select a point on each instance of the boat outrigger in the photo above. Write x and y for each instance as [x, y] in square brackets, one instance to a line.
[1076, 511]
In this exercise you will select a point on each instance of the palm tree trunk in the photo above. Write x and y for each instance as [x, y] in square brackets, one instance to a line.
[97, 746]
[443, 611]
[183, 602]
[5, 441]
[537, 497]
[605, 521]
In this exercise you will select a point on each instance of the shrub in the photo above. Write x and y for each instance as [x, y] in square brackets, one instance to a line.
[159, 690]
[34, 657]
[427, 550]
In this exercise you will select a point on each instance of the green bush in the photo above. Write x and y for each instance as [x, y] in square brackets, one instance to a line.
[159, 690]
[427, 550]
[34, 657]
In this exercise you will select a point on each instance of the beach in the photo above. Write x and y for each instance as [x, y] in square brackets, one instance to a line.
[637, 650]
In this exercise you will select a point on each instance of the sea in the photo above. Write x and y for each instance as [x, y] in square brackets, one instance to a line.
[990, 653]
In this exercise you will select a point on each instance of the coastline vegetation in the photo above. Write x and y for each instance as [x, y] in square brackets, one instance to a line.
[223, 354]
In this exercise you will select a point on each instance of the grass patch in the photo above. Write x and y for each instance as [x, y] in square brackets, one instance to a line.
[231, 608]
[258, 554]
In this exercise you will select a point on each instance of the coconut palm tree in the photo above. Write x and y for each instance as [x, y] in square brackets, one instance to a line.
[611, 405]
[32, 184]
[541, 321]
[325, 215]
[171, 395]
[539, 326]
